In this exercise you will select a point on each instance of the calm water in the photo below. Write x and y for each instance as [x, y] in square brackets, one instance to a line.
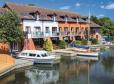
[68, 72]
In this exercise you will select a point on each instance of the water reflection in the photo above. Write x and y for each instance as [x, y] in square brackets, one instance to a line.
[68, 72]
[72, 73]
[42, 76]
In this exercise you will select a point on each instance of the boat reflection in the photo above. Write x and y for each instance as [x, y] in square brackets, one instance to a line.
[42, 76]
[69, 72]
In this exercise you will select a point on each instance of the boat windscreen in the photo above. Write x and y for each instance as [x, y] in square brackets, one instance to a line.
[24, 54]
[44, 55]
[32, 55]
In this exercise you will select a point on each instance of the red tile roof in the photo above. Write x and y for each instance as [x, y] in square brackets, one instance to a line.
[25, 10]
[93, 24]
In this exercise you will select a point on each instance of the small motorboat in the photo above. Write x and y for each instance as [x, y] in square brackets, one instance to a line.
[40, 57]
[88, 55]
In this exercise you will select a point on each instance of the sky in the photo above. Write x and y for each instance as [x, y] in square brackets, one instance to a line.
[99, 8]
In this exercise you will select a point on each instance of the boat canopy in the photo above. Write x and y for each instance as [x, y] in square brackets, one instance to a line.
[72, 44]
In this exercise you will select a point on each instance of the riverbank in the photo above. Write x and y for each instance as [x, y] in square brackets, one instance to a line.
[19, 63]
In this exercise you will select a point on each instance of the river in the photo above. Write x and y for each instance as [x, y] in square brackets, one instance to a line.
[67, 72]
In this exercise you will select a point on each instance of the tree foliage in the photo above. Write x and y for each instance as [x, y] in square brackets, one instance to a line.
[62, 44]
[48, 45]
[10, 30]
[95, 19]
[107, 25]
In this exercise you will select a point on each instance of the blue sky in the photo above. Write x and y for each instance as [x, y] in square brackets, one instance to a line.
[99, 8]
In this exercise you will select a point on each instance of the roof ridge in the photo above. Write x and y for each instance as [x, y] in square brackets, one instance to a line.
[27, 5]
[53, 10]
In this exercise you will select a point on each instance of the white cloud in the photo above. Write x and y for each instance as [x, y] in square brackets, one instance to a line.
[77, 4]
[65, 7]
[102, 6]
[109, 6]
[101, 15]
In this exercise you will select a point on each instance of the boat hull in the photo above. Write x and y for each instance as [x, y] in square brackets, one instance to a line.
[46, 61]
[42, 61]
[88, 56]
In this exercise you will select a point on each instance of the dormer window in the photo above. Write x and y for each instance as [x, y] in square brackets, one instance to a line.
[54, 17]
[66, 18]
[77, 19]
[37, 16]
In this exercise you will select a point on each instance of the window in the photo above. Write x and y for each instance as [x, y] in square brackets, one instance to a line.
[47, 29]
[37, 17]
[66, 18]
[44, 55]
[66, 29]
[71, 29]
[54, 18]
[38, 55]
[77, 19]
[86, 30]
[28, 29]
[37, 29]
[54, 29]
[60, 29]
[77, 29]
[15, 46]
[24, 54]
[82, 30]
[32, 55]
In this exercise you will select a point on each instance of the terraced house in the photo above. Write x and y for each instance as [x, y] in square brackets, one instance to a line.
[42, 23]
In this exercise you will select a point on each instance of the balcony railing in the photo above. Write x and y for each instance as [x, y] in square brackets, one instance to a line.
[44, 34]
[54, 34]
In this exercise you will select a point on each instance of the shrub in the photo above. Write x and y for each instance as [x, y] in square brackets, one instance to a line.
[94, 41]
[62, 44]
[78, 42]
[84, 42]
[48, 45]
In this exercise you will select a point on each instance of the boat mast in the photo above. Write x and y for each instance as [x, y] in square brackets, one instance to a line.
[89, 27]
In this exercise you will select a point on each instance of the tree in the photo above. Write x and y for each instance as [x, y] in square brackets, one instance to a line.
[95, 19]
[107, 26]
[48, 45]
[62, 44]
[10, 30]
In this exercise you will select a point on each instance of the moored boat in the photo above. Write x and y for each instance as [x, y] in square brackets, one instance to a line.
[88, 55]
[40, 57]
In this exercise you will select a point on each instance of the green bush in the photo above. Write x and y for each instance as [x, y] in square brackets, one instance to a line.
[84, 42]
[78, 42]
[62, 44]
[94, 41]
[48, 45]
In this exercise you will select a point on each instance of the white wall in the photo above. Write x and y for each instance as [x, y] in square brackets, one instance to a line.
[42, 24]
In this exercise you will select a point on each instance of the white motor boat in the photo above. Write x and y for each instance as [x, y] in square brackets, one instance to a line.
[88, 55]
[38, 56]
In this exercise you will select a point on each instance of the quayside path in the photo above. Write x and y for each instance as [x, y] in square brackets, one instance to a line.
[8, 63]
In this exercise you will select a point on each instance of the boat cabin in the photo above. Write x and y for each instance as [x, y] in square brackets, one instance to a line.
[34, 53]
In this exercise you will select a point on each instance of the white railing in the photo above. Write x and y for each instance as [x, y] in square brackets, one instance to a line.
[44, 34]
[53, 34]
